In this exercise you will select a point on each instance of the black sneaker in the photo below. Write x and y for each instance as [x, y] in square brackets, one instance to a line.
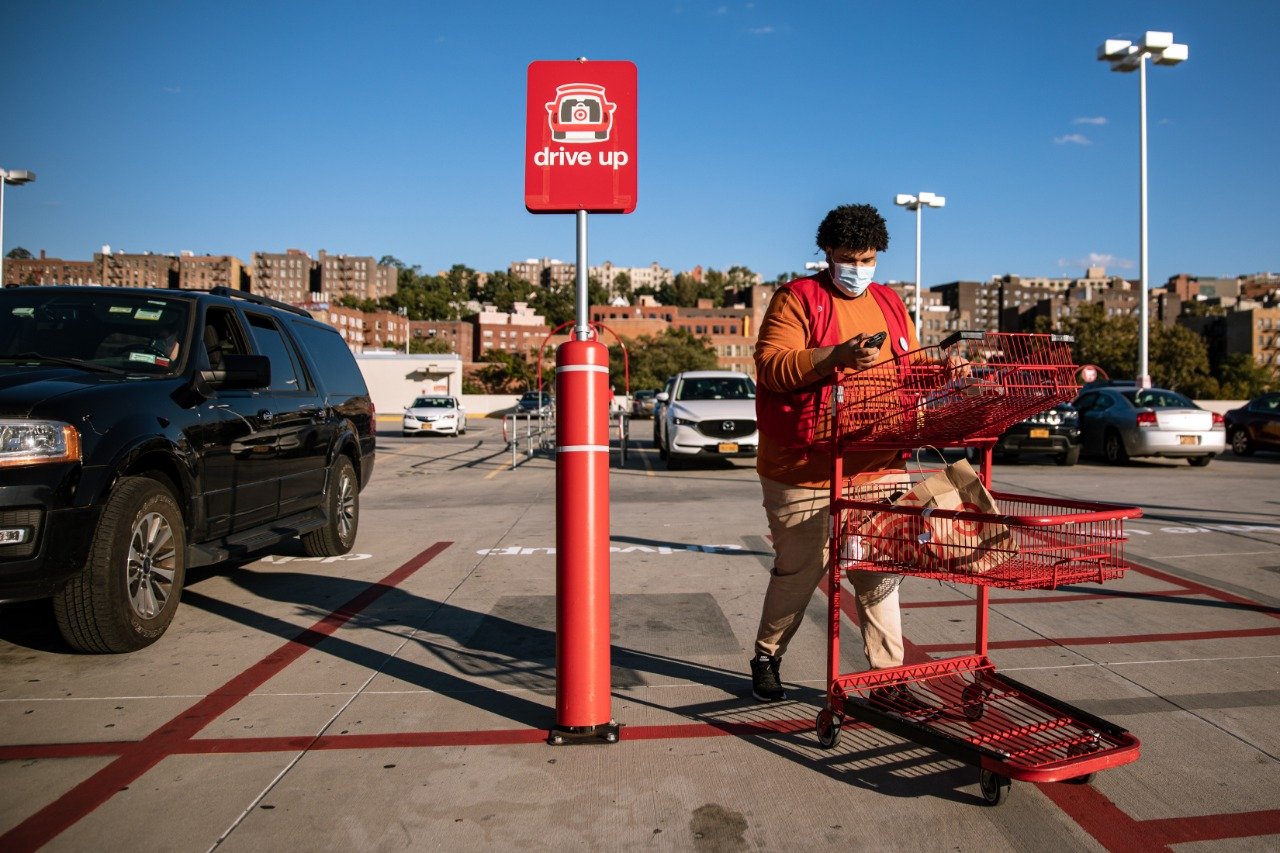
[898, 699]
[765, 683]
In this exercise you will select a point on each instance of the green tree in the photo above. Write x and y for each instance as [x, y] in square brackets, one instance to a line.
[621, 286]
[1240, 378]
[503, 372]
[18, 253]
[654, 358]
[391, 261]
[1109, 342]
[685, 291]
[558, 302]
[1179, 361]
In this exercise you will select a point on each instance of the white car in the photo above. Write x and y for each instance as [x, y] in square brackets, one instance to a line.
[435, 414]
[706, 414]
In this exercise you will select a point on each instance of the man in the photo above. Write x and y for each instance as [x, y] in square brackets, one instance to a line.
[813, 327]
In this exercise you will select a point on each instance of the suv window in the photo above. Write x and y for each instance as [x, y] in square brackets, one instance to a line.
[285, 373]
[111, 331]
[342, 375]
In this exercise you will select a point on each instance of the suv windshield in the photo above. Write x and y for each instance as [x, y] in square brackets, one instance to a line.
[100, 330]
[717, 388]
[433, 403]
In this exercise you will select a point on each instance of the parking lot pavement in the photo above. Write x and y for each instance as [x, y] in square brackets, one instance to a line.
[399, 697]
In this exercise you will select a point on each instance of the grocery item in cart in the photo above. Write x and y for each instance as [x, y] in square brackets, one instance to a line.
[959, 545]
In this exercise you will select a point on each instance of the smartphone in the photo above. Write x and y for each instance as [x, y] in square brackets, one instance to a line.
[874, 341]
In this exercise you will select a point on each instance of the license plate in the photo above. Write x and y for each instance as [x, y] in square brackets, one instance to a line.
[728, 447]
[13, 536]
[1188, 439]
[1039, 433]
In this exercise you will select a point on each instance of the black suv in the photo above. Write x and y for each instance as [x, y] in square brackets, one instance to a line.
[144, 432]
[1056, 432]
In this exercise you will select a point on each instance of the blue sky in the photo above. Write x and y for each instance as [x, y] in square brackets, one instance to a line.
[397, 128]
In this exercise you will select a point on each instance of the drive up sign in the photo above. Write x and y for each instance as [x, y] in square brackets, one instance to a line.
[580, 137]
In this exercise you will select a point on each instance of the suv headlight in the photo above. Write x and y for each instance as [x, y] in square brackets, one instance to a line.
[37, 442]
[684, 422]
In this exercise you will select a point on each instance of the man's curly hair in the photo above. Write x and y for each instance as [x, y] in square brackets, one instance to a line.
[853, 226]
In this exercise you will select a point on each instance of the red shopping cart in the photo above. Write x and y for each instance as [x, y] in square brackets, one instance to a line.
[961, 706]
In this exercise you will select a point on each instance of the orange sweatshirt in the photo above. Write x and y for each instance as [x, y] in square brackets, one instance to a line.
[784, 363]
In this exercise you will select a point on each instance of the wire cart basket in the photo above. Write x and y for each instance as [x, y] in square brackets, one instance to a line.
[961, 706]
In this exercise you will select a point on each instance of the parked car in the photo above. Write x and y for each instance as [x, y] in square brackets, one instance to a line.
[1055, 432]
[642, 404]
[707, 413]
[1254, 426]
[659, 404]
[533, 403]
[1118, 421]
[146, 432]
[436, 414]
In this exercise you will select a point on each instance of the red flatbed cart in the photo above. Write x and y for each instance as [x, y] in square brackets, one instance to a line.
[961, 706]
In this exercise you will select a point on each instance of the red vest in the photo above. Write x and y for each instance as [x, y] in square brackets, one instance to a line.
[789, 418]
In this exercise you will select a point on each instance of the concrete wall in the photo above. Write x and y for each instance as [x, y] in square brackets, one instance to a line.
[394, 379]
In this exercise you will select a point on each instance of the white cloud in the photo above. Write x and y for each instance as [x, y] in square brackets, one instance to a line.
[1096, 259]
[761, 31]
[1089, 120]
[1072, 139]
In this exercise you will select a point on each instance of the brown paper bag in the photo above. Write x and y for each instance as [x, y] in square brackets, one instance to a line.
[926, 541]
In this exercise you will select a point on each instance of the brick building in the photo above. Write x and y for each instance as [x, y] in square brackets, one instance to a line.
[205, 272]
[288, 276]
[46, 270]
[353, 275]
[519, 331]
[459, 334]
[122, 269]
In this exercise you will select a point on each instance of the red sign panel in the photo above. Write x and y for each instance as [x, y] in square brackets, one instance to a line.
[580, 137]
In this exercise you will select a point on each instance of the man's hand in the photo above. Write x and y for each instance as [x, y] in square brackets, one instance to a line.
[957, 367]
[853, 354]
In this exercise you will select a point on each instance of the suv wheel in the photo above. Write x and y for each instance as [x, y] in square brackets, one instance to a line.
[125, 595]
[1113, 449]
[1068, 457]
[1240, 443]
[342, 505]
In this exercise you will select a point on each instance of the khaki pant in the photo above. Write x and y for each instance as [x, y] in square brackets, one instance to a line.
[798, 522]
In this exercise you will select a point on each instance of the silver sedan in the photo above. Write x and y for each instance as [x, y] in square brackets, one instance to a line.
[1121, 421]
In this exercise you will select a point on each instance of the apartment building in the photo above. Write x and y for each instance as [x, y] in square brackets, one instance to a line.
[349, 322]
[205, 272]
[287, 276]
[459, 334]
[352, 275]
[731, 330]
[123, 269]
[519, 331]
[544, 272]
[46, 270]
[1253, 331]
[652, 276]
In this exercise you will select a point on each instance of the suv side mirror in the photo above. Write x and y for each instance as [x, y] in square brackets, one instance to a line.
[662, 397]
[240, 371]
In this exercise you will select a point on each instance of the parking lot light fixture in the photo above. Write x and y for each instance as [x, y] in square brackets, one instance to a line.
[15, 177]
[918, 202]
[1125, 56]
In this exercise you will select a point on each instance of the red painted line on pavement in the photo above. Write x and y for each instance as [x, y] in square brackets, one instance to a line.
[1118, 640]
[95, 749]
[48, 823]
[1180, 830]
[1204, 589]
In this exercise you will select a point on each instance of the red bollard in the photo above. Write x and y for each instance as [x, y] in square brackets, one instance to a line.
[583, 710]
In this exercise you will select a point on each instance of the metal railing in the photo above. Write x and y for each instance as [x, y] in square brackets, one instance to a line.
[530, 434]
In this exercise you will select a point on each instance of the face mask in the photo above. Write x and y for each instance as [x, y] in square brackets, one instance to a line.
[852, 280]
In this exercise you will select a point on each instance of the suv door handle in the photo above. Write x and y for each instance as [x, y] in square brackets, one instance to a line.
[310, 410]
[266, 415]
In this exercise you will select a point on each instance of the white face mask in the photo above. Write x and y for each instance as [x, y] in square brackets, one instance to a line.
[852, 279]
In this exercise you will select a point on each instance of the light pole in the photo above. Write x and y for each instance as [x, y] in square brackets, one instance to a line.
[1125, 56]
[17, 177]
[918, 203]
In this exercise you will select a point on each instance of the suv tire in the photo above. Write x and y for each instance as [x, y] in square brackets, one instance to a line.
[1068, 457]
[342, 506]
[125, 595]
